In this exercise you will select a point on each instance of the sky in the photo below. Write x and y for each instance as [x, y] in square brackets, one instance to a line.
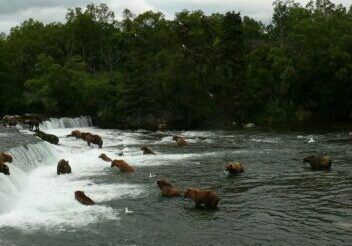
[13, 12]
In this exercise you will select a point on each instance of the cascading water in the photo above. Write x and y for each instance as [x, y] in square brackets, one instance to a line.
[57, 123]
[26, 158]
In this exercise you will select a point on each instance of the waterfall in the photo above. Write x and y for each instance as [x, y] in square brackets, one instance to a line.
[26, 158]
[56, 123]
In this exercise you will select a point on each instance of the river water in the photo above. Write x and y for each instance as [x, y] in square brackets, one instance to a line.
[277, 201]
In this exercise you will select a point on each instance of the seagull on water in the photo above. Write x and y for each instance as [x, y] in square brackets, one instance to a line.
[128, 211]
[151, 175]
[311, 140]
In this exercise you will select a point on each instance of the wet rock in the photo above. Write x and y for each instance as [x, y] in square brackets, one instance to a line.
[47, 137]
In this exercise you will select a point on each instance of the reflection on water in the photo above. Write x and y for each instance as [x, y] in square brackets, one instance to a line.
[277, 201]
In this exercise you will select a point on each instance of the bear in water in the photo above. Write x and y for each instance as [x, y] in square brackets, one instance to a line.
[203, 197]
[122, 165]
[4, 169]
[234, 168]
[75, 133]
[63, 167]
[162, 127]
[179, 140]
[82, 198]
[147, 151]
[5, 157]
[167, 189]
[322, 162]
[10, 120]
[105, 158]
[94, 139]
[33, 124]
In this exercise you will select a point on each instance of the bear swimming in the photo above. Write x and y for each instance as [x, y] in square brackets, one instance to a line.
[167, 189]
[147, 151]
[5, 157]
[122, 165]
[63, 167]
[321, 162]
[179, 140]
[105, 158]
[4, 169]
[94, 139]
[234, 168]
[82, 198]
[202, 197]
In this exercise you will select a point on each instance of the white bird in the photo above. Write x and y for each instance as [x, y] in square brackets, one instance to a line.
[350, 133]
[151, 176]
[128, 211]
[311, 140]
[184, 46]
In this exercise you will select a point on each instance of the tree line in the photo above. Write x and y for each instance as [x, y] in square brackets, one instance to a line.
[195, 70]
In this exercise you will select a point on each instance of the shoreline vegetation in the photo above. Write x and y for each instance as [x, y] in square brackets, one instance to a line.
[193, 71]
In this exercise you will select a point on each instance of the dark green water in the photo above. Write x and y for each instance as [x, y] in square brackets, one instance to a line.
[277, 201]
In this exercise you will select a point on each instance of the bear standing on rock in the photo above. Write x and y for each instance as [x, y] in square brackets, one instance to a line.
[63, 167]
[322, 162]
[203, 197]
[82, 198]
[234, 168]
[147, 151]
[167, 189]
[122, 165]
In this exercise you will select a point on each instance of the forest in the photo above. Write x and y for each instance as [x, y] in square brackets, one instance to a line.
[195, 70]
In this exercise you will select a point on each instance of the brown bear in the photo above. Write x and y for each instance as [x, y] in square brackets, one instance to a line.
[5, 157]
[83, 135]
[63, 167]
[234, 168]
[105, 158]
[94, 139]
[10, 120]
[147, 151]
[322, 162]
[4, 169]
[167, 189]
[203, 197]
[82, 198]
[122, 165]
[33, 124]
[179, 140]
[162, 127]
[75, 133]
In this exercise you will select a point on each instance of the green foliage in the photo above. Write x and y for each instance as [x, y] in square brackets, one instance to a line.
[190, 71]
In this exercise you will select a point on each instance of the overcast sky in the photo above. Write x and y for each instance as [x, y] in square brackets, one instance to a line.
[13, 12]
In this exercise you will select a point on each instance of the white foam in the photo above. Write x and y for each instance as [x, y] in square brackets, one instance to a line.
[57, 123]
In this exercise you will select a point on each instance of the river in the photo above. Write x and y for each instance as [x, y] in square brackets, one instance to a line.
[278, 200]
